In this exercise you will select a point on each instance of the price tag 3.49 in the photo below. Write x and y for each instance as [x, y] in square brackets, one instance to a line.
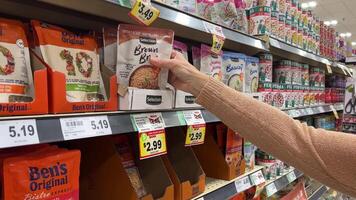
[328, 68]
[196, 127]
[151, 134]
[84, 127]
[18, 133]
[218, 43]
[334, 111]
[144, 13]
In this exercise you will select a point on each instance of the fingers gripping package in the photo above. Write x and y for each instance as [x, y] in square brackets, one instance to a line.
[16, 82]
[136, 76]
[75, 56]
[183, 99]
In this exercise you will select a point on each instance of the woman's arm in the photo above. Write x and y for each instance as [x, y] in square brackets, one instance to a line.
[329, 157]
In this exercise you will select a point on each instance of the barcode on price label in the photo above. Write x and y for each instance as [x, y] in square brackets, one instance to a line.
[257, 178]
[242, 184]
[271, 189]
[18, 133]
[291, 177]
[84, 127]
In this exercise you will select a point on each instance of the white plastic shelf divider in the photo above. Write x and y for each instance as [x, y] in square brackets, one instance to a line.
[313, 110]
[221, 189]
[279, 183]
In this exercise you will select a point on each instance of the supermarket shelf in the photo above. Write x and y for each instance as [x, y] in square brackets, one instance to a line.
[49, 126]
[221, 189]
[301, 112]
[318, 193]
[351, 59]
[294, 53]
[95, 14]
[279, 183]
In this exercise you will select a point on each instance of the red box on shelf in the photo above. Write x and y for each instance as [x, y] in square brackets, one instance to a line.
[39, 105]
[57, 94]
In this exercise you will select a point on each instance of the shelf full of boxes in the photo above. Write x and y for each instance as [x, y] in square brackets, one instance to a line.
[96, 14]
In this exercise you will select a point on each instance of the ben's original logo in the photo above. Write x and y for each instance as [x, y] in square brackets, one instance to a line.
[72, 38]
[48, 177]
[153, 99]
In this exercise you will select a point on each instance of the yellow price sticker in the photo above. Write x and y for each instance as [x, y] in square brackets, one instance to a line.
[218, 42]
[195, 134]
[328, 68]
[152, 144]
[144, 13]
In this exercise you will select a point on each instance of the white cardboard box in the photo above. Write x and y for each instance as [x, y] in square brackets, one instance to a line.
[144, 99]
[185, 100]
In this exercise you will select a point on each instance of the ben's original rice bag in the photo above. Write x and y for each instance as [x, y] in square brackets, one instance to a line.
[46, 176]
[136, 44]
[16, 82]
[75, 56]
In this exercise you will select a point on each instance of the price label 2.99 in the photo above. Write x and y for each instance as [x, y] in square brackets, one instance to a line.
[196, 127]
[18, 132]
[144, 12]
[84, 127]
[152, 144]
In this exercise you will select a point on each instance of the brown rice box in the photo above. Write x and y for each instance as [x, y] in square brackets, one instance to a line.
[136, 44]
[16, 82]
[75, 56]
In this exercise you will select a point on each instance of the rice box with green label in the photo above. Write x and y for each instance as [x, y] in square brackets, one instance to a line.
[259, 20]
[251, 74]
[265, 70]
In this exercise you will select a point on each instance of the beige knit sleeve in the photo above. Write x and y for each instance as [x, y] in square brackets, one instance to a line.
[327, 156]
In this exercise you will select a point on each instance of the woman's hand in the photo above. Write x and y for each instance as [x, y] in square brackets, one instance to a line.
[183, 75]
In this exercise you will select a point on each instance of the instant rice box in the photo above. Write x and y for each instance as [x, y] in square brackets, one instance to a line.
[233, 69]
[251, 74]
[265, 65]
[136, 44]
[210, 63]
[74, 55]
[259, 20]
[48, 175]
[16, 81]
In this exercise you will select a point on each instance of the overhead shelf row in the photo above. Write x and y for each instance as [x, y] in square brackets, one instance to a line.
[96, 14]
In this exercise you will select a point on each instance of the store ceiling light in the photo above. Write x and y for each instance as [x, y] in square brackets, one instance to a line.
[353, 43]
[310, 4]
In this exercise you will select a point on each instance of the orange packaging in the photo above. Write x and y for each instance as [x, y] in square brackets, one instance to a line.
[16, 81]
[234, 146]
[74, 55]
[48, 176]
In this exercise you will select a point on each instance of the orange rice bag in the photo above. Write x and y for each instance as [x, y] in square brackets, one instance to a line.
[74, 55]
[16, 82]
[46, 176]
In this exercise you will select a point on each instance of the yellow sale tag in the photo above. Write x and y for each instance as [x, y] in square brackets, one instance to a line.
[334, 111]
[195, 135]
[218, 42]
[152, 144]
[144, 13]
[328, 68]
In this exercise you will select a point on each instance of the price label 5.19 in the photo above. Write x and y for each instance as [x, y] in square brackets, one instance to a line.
[84, 127]
[18, 132]
[144, 12]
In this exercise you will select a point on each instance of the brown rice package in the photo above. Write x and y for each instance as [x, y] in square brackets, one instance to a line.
[16, 81]
[136, 44]
[74, 55]
[53, 174]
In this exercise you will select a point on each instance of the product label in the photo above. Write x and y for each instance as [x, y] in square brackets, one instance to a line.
[196, 127]
[233, 69]
[18, 132]
[243, 184]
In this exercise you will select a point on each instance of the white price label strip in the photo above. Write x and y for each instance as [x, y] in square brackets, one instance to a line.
[148, 122]
[213, 29]
[291, 177]
[271, 189]
[243, 184]
[84, 127]
[18, 132]
[257, 178]
[193, 117]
